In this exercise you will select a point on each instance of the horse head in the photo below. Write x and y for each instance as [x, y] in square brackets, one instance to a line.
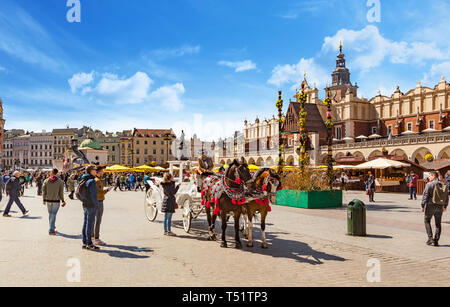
[267, 180]
[238, 173]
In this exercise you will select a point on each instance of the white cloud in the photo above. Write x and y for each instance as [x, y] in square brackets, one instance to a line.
[133, 90]
[80, 80]
[371, 48]
[293, 74]
[436, 72]
[239, 66]
[169, 96]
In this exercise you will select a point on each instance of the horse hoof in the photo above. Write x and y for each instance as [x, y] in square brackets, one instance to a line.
[224, 245]
[249, 244]
[238, 245]
[264, 246]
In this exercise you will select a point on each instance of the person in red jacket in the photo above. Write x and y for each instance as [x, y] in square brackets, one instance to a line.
[411, 180]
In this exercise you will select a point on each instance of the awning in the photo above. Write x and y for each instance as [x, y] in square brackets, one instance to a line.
[117, 169]
[381, 163]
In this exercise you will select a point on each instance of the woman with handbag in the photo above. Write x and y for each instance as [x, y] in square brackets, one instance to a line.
[370, 187]
[169, 202]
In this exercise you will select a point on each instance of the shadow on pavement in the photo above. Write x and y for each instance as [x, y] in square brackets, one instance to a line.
[290, 249]
[278, 248]
[379, 237]
[75, 237]
[123, 251]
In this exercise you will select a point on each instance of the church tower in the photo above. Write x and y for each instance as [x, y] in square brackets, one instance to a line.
[341, 79]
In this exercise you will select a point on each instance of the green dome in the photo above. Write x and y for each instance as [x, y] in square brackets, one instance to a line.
[92, 144]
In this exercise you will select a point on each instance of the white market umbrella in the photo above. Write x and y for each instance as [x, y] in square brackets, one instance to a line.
[429, 130]
[447, 129]
[348, 139]
[362, 137]
[408, 132]
[374, 136]
[381, 163]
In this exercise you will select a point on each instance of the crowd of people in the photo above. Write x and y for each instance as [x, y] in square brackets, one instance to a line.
[90, 187]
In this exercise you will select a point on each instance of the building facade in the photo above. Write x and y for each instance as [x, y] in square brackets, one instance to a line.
[62, 141]
[41, 150]
[21, 151]
[152, 145]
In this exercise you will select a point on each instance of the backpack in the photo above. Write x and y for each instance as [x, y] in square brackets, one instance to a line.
[81, 191]
[440, 194]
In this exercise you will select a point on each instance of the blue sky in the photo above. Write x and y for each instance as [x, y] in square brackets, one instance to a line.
[203, 66]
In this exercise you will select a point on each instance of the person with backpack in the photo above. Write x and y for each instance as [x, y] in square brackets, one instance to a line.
[53, 197]
[13, 189]
[434, 203]
[87, 193]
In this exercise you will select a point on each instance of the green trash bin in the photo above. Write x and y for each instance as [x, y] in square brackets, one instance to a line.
[356, 218]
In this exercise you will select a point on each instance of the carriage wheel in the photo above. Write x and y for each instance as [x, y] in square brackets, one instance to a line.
[150, 207]
[187, 215]
[241, 223]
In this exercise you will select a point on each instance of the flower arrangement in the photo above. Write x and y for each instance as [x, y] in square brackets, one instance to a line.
[303, 157]
[327, 101]
[279, 104]
[429, 157]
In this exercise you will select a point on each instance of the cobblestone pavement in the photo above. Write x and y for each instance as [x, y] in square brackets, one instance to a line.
[307, 248]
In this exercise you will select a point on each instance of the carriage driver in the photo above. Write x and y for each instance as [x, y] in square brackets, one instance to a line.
[205, 168]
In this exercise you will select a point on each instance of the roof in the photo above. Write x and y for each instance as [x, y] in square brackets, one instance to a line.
[89, 143]
[69, 131]
[437, 164]
[314, 121]
[152, 132]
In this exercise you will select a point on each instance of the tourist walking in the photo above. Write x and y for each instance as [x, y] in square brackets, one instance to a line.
[39, 182]
[344, 181]
[53, 197]
[71, 184]
[447, 180]
[169, 202]
[434, 203]
[13, 190]
[370, 187]
[87, 192]
[411, 180]
[101, 192]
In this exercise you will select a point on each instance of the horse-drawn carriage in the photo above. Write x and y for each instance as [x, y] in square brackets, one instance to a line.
[188, 198]
[226, 194]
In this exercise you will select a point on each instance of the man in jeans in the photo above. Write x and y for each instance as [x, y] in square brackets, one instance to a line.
[101, 192]
[90, 205]
[53, 196]
[412, 184]
[13, 189]
[432, 210]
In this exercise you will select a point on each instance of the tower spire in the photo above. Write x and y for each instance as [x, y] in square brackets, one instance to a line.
[340, 46]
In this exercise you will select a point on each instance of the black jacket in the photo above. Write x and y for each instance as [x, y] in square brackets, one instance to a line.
[169, 200]
[13, 187]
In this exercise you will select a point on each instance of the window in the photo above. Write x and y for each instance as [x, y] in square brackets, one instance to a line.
[154, 151]
[145, 142]
[374, 130]
[145, 151]
[431, 124]
[409, 127]
[154, 142]
[338, 133]
[137, 151]
[137, 142]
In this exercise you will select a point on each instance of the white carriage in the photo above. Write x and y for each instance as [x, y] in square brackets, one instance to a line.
[188, 198]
